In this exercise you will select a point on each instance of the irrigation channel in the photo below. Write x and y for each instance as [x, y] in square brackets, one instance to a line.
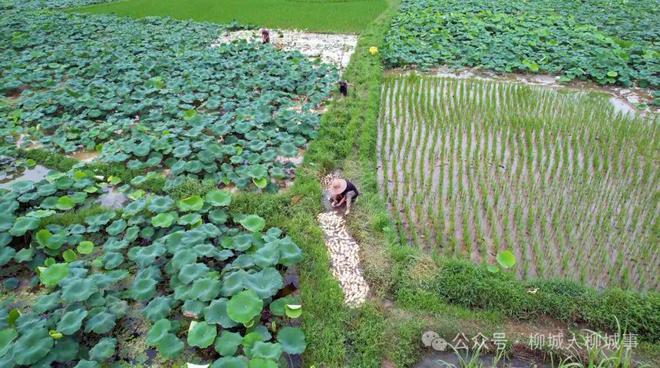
[472, 167]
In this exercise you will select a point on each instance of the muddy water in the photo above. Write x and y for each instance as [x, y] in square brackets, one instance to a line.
[452, 360]
[35, 174]
[521, 174]
[111, 198]
[85, 156]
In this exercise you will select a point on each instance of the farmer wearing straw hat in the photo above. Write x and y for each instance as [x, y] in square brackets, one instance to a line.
[342, 192]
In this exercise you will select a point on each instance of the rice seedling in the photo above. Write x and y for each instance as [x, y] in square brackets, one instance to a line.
[470, 167]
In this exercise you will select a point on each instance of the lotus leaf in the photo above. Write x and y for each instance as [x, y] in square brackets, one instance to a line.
[112, 260]
[100, 323]
[277, 307]
[190, 219]
[33, 345]
[22, 186]
[205, 250]
[6, 337]
[103, 350]
[192, 203]
[244, 307]
[240, 242]
[69, 255]
[6, 221]
[201, 334]
[100, 220]
[292, 340]
[143, 289]
[163, 220]
[158, 308]
[53, 274]
[506, 259]
[24, 255]
[205, 289]
[116, 227]
[253, 223]
[160, 204]
[65, 203]
[158, 331]
[266, 256]
[87, 364]
[230, 362]
[260, 183]
[228, 342]
[218, 216]
[85, 247]
[234, 282]
[266, 350]
[265, 283]
[191, 272]
[47, 302]
[193, 308]
[216, 313]
[78, 290]
[5, 239]
[65, 349]
[170, 346]
[134, 208]
[6, 255]
[71, 321]
[114, 245]
[218, 198]
[183, 257]
[24, 224]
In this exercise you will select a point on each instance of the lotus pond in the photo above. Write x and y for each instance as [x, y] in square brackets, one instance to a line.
[94, 281]
[153, 95]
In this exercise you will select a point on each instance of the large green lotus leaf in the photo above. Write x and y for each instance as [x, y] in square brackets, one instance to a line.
[103, 350]
[6, 221]
[85, 247]
[143, 289]
[6, 337]
[71, 321]
[253, 223]
[24, 255]
[216, 313]
[100, 323]
[65, 349]
[288, 150]
[69, 255]
[5, 239]
[65, 203]
[23, 225]
[183, 257]
[160, 204]
[230, 362]
[234, 282]
[278, 306]
[33, 345]
[112, 260]
[201, 334]
[205, 289]
[265, 283]
[158, 308]
[265, 350]
[40, 213]
[101, 219]
[6, 255]
[244, 306]
[170, 346]
[158, 331]
[192, 203]
[53, 274]
[218, 198]
[228, 342]
[47, 302]
[506, 259]
[78, 290]
[54, 241]
[266, 256]
[193, 308]
[218, 216]
[22, 186]
[87, 364]
[191, 272]
[241, 242]
[134, 208]
[290, 253]
[114, 245]
[163, 220]
[292, 340]
[116, 227]
[205, 250]
[190, 219]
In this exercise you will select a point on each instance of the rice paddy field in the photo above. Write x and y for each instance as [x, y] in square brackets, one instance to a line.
[472, 167]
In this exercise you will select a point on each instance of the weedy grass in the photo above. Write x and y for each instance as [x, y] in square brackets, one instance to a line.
[319, 16]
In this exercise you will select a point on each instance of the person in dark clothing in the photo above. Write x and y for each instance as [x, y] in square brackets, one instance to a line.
[343, 88]
[265, 36]
[343, 192]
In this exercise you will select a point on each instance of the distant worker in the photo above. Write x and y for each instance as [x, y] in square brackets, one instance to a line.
[265, 36]
[343, 88]
[343, 192]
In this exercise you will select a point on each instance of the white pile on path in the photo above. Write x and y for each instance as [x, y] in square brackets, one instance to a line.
[334, 49]
[345, 258]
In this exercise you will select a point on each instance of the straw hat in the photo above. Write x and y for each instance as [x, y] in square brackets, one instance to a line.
[338, 186]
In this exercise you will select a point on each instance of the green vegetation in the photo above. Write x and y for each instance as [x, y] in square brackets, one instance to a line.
[473, 168]
[319, 16]
[606, 41]
[151, 257]
[129, 92]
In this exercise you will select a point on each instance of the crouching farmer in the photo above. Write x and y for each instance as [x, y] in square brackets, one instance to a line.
[343, 192]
